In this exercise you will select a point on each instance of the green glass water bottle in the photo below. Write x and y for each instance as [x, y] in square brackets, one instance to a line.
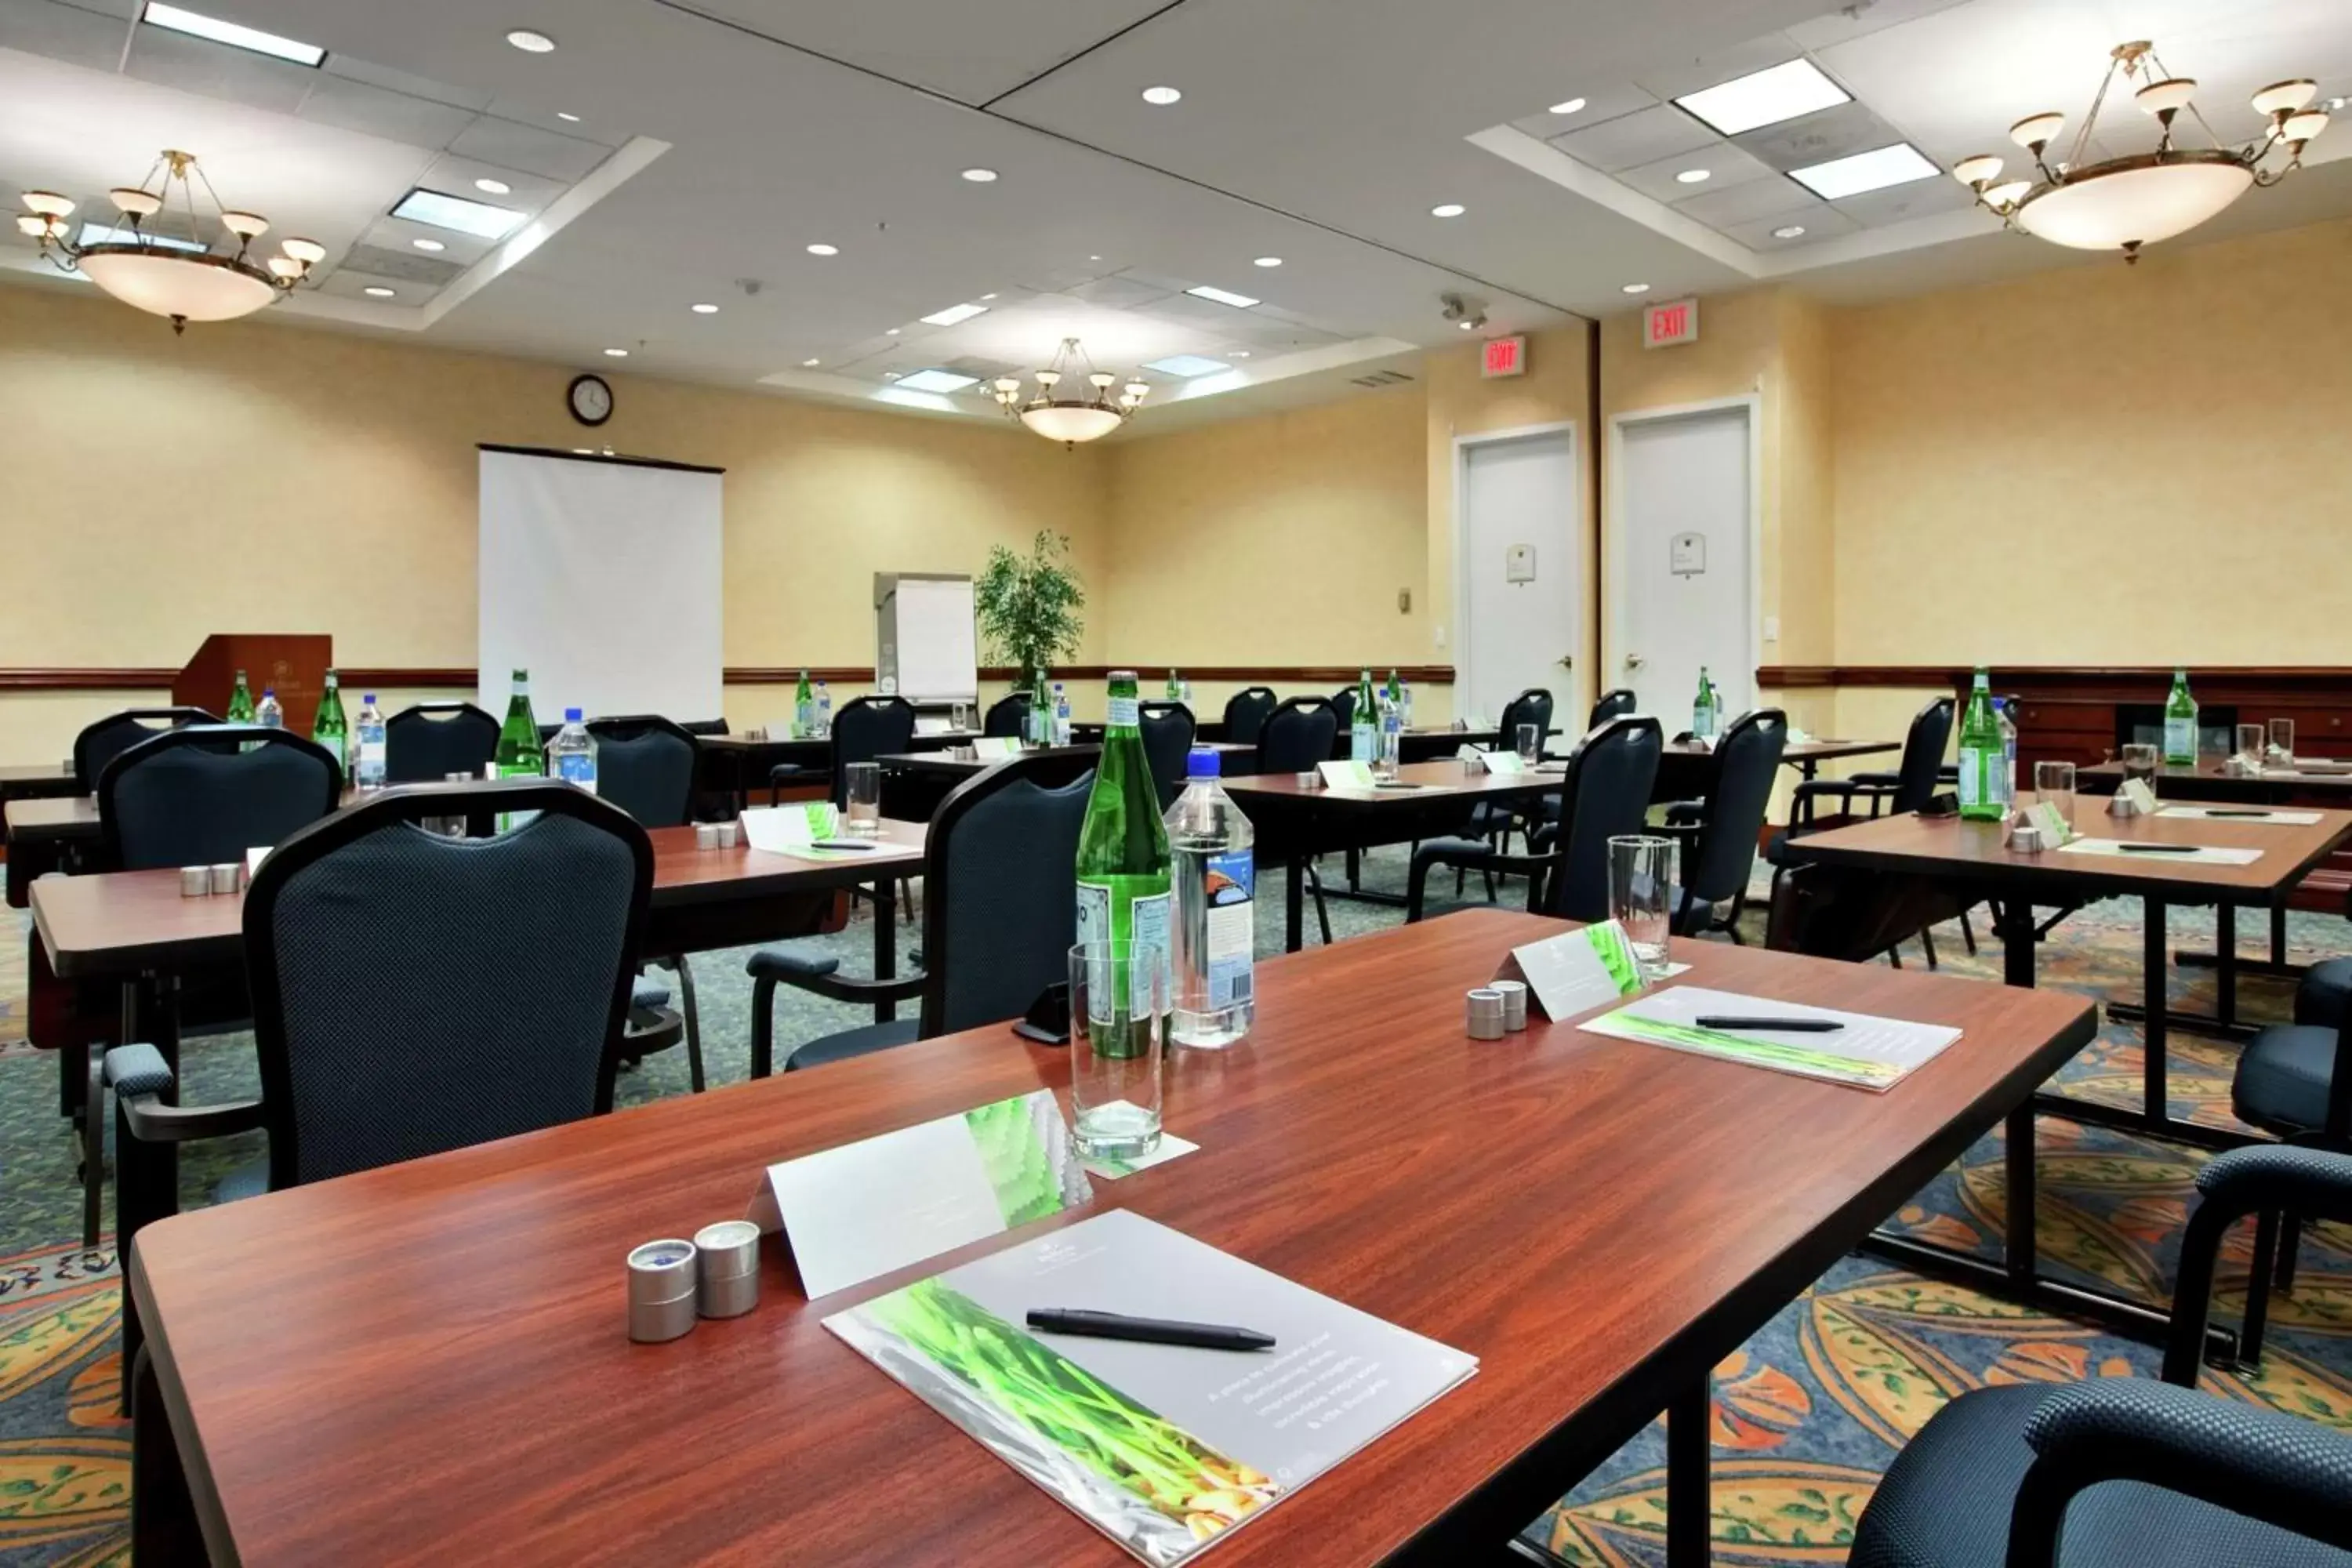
[240, 702]
[1984, 760]
[518, 750]
[2180, 723]
[803, 710]
[1707, 709]
[1364, 724]
[332, 727]
[1123, 862]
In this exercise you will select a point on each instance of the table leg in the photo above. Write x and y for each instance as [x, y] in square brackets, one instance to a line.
[886, 941]
[2153, 1098]
[1293, 933]
[2018, 1248]
[1690, 1503]
[163, 1528]
[2017, 942]
[2225, 963]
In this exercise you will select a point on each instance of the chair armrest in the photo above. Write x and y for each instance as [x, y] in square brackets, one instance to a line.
[783, 771]
[2261, 1464]
[822, 977]
[1685, 812]
[2264, 1179]
[1468, 854]
[139, 1076]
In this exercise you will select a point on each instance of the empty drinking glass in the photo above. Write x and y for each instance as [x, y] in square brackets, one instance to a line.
[960, 717]
[2054, 784]
[1118, 1005]
[1641, 883]
[1530, 742]
[2282, 753]
[2140, 762]
[2249, 744]
[862, 786]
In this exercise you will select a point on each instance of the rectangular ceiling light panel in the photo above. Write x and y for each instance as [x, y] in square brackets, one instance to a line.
[952, 314]
[178, 21]
[936, 381]
[1872, 171]
[1764, 97]
[479, 219]
[1188, 366]
[1221, 296]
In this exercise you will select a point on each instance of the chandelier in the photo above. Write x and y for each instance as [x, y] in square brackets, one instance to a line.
[2123, 204]
[1071, 420]
[164, 274]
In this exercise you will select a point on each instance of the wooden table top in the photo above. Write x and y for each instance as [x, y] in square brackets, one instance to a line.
[1974, 852]
[33, 780]
[403, 1364]
[1811, 751]
[943, 761]
[2211, 780]
[52, 817]
[129, 922]
[1437, 781]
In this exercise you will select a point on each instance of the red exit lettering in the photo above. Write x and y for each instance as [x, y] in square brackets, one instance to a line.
[1675, 321]
[1504, 356]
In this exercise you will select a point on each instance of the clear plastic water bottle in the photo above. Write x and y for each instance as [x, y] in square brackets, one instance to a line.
[1404, 702]
[1061, 715]
[1214, 877]
[824, 712]
[572, 754]
[2008, 756]
[367, 746]
[1392, 740]
[270, 715]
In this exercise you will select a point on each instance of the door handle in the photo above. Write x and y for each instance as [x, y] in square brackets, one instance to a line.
[1568, 661]
[1632, 662]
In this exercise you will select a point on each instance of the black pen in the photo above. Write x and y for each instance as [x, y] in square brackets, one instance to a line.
[1794, 1026]
[858, 844]
[1148, 1330]
[2157, 848]
[1394, 784]
[2217, 811]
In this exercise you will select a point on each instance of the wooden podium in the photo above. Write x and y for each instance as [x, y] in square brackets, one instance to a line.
[295, 663]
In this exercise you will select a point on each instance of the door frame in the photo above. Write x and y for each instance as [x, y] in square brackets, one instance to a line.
[1615, 588]
[1573, 701]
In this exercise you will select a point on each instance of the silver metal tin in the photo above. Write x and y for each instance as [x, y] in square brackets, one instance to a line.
[727, 1269]
[225, 875]
[706, 836]
[195, 882]
[459, 778]
[661, 1289]
[726, 835]
[2026, 839]
[1311, 779]
[1485, 1014]
[2119, 804]
[1515, 1004]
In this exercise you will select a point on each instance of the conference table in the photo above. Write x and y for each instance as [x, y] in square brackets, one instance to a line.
[406, 1364]
[37, 782]
[1686, 770]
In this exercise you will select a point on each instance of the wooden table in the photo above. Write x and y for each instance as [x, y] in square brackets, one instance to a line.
[403, 1364]
[1686, 770]
[948, 766]
[37, 782]
[1294, 822]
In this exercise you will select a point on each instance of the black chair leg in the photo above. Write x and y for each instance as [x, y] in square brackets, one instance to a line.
[1322, 915]
[1968, 933]
[763, 1026]
[1893, 958]
[93, 1153]
[1928, 945]
[693, 1021]
[2290, 1246]
[2258, 1291]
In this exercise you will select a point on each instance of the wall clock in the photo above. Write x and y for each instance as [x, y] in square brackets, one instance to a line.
[590, 399]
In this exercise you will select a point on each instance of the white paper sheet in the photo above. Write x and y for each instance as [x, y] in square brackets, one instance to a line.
[1870, 1052]
[2200, 855]
[2271, 815]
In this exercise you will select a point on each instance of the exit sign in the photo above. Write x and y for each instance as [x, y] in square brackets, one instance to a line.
[1675, 321]
[1504, 356]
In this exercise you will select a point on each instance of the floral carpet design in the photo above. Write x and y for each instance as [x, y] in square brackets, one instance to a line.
[1806, 1415]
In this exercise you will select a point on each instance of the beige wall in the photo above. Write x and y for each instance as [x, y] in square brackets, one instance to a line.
[269, 478]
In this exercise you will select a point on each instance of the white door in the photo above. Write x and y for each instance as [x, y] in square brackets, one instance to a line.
[1521, 570]
[1685, 590]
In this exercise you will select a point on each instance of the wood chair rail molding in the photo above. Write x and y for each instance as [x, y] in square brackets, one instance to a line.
[2087, 682]
[435, 678]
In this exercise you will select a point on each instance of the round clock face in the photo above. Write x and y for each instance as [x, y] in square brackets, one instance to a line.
[590, 399]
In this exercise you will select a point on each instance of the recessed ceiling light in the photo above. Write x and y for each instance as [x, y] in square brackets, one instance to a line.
[1694, 176]
[1162, 96]
[1447, 209]
[1221, 296]
[825, 250]
[980, 176]
[616, 353]
[532, 43]
[376, 292]
[704, 309]
[810, 363]
[1872, 171]
[1467, 326]
[1241, 353]
[889, 376]
[493, 187]
[891, 332]
[428, 244]
[479, 219]
[575, 119]
[1764, 97]
[229, 32]
[988, 296]
[1187, 365]
[1634, 289]
[1269, 261]
[1094, 259]
[1570, 107]
[952, 314]
[1788, 231]
[937, 381]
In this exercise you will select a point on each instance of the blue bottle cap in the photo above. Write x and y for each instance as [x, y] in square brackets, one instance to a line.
[571, 715]
[1201, 763]
[367, 699]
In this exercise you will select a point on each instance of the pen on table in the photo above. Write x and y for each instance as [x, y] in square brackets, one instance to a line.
[2223, 811]
[1795, 1026]
[2157, 848]
[1147, 1330]
[859, 844]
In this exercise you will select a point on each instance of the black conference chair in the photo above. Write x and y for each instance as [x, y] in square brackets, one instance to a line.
[1718, 835]
[101, 742]
[1298, 735]
[1007, 717]
[1532, 706]
[864, 730]
[699, 727]
[1167, 740]
[1246, 714]
[1614, 704]
[646, 765]
[1495, 823]
[428, 741]
[501, 1011]
[2132, 1473]
[999, 916]
[1604, 794]
[1343, 709]
[205, 793]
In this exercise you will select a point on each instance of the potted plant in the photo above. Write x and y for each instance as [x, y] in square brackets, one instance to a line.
[1029, 607]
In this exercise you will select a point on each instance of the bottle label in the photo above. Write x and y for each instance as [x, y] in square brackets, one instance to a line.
[1972, 772]
[1359, 742]
[1230, 941]
[1146, 923]
[371, 751]
[577, 768]
[1123, 712]
[2180, 739]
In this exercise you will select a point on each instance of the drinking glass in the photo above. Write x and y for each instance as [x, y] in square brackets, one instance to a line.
[863, 787]
[1119, 1007]
[2283, 742]
[2140, 762]
[2054, 784]
[1530, 739]
[2249, 744]
[960, 717]
[1641, 882]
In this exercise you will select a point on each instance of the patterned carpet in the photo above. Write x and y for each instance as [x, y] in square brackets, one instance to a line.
[1806, 1415]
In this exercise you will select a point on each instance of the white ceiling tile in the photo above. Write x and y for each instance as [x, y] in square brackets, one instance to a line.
[1775, 194]
[528, 148]
[67, 33]
[376, 111]
[1725, 166]
[1818, 137]
[1682, 78]
[1603, 102]
[392, 80]
[1821, 222]
[1119, 293]
[455, 176]
[1630, 139]
[209, 69]
[396, 264]
[1854, 21]
[1914, 198]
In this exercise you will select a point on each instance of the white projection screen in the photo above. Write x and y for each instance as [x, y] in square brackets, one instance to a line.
[604, 578]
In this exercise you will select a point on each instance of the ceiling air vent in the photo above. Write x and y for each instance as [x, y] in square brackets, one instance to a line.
[1381, 378]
